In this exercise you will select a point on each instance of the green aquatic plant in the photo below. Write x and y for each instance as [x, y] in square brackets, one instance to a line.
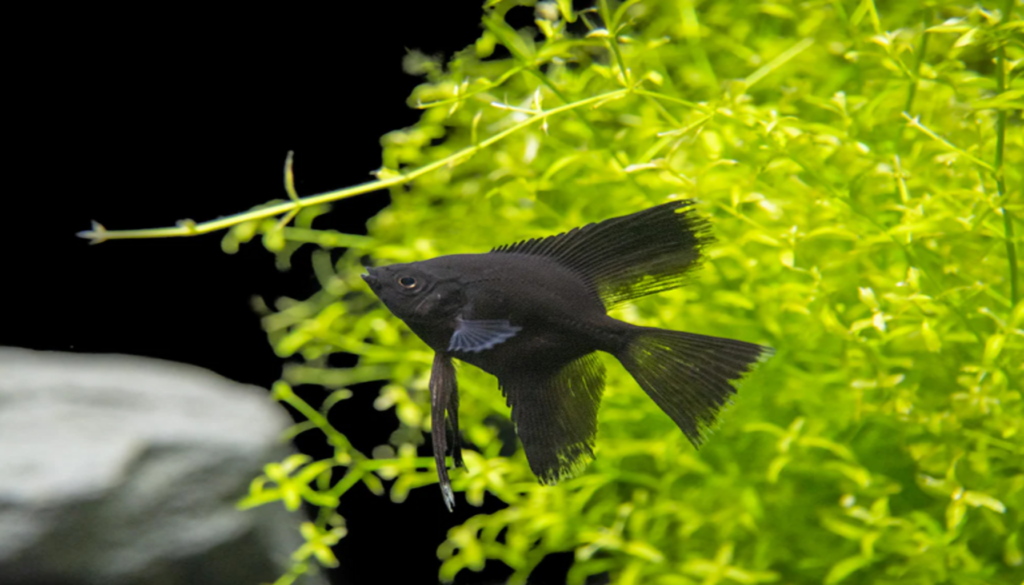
[861, 165]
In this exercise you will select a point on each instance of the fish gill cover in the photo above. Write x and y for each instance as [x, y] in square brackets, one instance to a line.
[860, 165]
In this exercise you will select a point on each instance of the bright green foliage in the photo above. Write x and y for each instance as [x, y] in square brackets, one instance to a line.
[861, 166]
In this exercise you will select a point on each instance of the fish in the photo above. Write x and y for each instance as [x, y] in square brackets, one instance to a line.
[535, 313]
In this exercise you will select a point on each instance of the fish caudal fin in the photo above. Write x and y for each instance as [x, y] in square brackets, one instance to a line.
[628, 257]
[688, 375]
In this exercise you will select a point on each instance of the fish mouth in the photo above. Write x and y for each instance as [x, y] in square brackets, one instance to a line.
[371, 278]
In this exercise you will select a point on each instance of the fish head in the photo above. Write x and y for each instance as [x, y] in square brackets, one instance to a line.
[416, 291]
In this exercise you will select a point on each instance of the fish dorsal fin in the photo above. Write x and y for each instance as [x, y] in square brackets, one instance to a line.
[628, 257]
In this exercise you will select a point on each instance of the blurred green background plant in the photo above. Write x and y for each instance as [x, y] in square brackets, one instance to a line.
[861, 165]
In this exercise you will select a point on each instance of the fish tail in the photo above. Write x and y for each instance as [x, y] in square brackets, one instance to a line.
[688, 375]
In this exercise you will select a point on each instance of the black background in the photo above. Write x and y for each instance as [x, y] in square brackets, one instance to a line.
[141, 119]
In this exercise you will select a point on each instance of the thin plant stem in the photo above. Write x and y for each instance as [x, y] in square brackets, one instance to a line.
[100, 234]
[915, 122]
[921, 50]
[1000, 176]
[613, 44]
[777, 62]
[691, 30]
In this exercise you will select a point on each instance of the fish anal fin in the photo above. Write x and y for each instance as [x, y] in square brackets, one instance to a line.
[555, 413]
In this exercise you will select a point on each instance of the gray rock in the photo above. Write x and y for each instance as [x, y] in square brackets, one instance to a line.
[119, 469]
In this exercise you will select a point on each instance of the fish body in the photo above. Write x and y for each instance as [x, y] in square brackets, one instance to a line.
[559, 318]
[534, 314]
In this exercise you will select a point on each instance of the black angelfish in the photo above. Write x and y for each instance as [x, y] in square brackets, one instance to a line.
[534, 313]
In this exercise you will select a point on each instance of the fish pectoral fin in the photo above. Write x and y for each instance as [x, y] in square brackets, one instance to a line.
[477, 335]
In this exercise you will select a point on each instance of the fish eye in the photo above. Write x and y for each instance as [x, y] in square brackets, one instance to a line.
[407, 282]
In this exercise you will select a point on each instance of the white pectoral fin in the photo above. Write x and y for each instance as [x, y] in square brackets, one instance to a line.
[476, 336]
